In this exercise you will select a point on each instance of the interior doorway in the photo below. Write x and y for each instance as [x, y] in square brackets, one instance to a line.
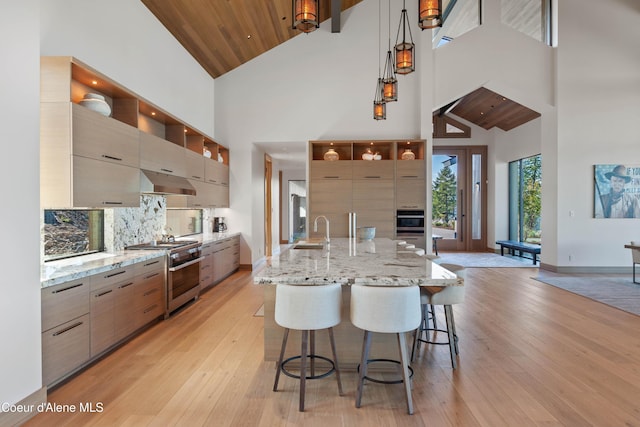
[459, 197]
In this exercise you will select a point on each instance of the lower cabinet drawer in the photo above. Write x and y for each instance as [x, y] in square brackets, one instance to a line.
[149, 313]
[64, 349]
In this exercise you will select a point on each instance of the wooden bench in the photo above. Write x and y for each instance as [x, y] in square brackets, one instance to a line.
[521, 247]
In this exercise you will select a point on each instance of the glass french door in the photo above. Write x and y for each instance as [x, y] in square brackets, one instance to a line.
[459, 198]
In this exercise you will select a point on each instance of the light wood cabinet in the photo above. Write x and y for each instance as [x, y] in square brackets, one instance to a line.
[372, 189]
[64, 349]
[84, 318]
[65, 329]
[206, 266]
[410, 184]
[137, 134]
[225, 257]
[102, 138]
[162, 156]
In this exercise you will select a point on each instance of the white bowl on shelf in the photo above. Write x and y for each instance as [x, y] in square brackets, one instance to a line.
[96, 102]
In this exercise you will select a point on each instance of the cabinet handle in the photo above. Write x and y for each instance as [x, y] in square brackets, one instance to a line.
[151, 263]
[166, 170]
[115, 274]
[151, 275]
[152, 291]
[111, 203]
[331, 176]
[67, 288]
[373, 177]
[125, 285]
[106, 156]
[196, 177]
[409, 176]
[150, 308]
[67, 329]
[212, 180]
[104, 293]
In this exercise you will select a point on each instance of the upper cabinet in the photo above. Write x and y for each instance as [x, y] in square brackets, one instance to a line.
[86, 116]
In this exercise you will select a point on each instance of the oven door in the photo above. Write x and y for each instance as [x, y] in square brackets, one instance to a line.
[183, 283]
[408, 220]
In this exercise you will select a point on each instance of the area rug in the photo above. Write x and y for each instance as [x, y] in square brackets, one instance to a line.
[616, 291]
[260, 312]
[483, 259]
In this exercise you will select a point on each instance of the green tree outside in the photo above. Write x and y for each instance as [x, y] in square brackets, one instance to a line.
[444, 197]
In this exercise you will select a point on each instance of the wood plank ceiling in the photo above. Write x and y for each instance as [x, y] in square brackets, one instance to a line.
[487, 109]
[224, 34]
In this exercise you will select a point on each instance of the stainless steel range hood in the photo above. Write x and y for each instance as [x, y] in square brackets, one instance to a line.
[161, 183]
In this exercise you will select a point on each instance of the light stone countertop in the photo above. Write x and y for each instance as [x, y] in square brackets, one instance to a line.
[64, 270]
[378, 262]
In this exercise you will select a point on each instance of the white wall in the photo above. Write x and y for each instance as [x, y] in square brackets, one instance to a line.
[123, 40]
[20, 360]
[315, 86]
[598, 110]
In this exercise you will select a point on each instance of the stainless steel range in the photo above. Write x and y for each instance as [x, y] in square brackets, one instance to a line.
[183, 270]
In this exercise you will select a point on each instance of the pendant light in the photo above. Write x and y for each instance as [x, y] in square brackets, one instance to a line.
[390, 83]
[306, 15]
[429, 14]
[379, 104]
[405, 63]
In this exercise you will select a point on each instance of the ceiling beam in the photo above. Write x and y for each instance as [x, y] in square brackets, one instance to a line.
[336, 9]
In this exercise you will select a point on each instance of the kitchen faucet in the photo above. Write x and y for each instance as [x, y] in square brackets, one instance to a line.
[315, 226]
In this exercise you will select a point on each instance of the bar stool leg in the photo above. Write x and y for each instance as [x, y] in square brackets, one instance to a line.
[279, 367]
[312, 351]
[448, 315]
[366, 345]
[335, 361]
[402, 344]
[303, 367]
[418, 333]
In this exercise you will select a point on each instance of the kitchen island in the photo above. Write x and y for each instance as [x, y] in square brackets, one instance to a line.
[379, 262]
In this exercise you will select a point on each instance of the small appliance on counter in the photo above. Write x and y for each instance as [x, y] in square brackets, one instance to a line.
[219, 226]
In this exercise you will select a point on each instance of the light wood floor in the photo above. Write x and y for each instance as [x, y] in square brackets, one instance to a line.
[530, 355]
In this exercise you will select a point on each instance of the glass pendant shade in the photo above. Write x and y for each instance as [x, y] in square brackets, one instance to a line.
[389, 81]
[306, 15]
[405, 49]
[429, 14]
[379, 105]
[404, 58]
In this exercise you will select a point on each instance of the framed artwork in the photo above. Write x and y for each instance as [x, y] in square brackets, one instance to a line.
[617, 191]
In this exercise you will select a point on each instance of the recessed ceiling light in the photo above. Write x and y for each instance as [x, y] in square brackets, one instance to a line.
[153, 113]
[249, 36]
[95, 82]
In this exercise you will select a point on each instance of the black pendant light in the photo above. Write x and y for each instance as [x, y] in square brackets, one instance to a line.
[390, 83]
[306, 15]
[429, 14]
[405, 50]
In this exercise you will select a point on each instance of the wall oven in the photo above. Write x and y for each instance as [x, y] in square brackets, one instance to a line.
[183, 270]
[410, 227]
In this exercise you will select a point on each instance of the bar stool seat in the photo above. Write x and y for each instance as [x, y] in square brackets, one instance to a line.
[446, 296]
[307, 309]
[385, 309]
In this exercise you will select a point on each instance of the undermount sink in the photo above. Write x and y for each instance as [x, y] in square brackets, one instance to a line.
[308, 245]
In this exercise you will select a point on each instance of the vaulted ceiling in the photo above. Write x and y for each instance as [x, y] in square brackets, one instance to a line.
[224, 34]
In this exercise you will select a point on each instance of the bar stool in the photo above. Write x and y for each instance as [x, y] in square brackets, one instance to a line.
[307, 309]
[382, 309]
[445, 296]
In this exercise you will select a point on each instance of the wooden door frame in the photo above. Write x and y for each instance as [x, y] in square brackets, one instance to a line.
[462, 242]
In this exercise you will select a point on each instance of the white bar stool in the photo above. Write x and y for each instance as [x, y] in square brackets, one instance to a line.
[394, 309]
[308, 308]
[445, 296]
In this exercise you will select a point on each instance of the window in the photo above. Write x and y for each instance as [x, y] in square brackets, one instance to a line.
[525, 199]
[70, 233]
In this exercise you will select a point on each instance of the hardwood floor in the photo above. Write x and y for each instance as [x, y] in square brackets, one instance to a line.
[530, 355]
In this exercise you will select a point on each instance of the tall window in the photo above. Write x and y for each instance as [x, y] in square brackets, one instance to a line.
[72, 232]
[525, 199]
